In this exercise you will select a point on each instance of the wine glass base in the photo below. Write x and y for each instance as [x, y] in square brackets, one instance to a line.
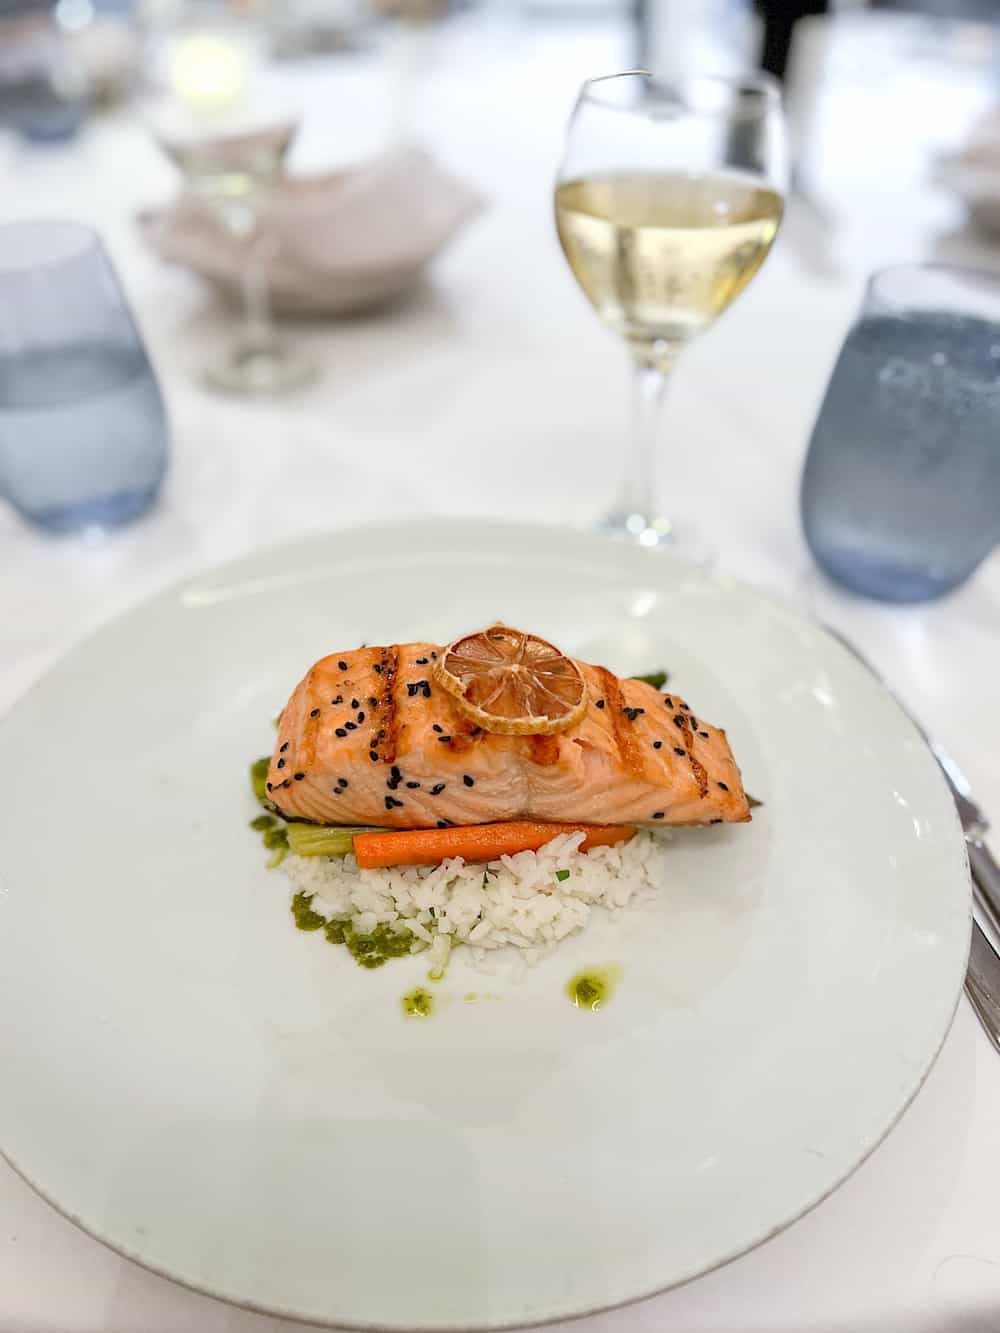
[255, 369]
[658, 533]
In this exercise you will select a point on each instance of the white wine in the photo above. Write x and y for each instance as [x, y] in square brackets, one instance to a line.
[227, 167]
[661, 255]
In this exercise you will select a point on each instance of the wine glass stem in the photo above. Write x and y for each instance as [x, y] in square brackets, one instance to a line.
[258, 333]
[638, 493]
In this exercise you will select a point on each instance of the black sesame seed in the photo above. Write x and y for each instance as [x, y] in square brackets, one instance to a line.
[678, 750]
[657, 745]
[340, 732]
[373, 756]
[723, 786]
[372, 701]
[437, 790]
[355, 704]
[342, 664]
[421, 661]
[475, 731]
[434, 655]
[668, 701]
[413, 785]
[632, 713]
[339, 699]
[268, 785]
[361, 717]
[280, 763]
[298, 776]
[703, 733]
[442, 823]
[694, 721]
[600, 703]
[715, 821]
[679, 719]
[396, 772]
[444, 739]
[377, 668]
[283, 748]
[469, 782]
[344, 783]
[350, 726]
[657, 814]
[391, 803]
[381, 734]
[437, 728]
[314, 713]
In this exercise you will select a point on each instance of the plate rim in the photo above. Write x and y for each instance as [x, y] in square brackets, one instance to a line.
[484, 527]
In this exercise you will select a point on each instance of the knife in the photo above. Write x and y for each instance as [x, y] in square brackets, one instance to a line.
[982, 980]
[982, 983]
[975, 825]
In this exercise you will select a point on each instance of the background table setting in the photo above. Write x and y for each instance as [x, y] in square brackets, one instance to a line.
[461, 376]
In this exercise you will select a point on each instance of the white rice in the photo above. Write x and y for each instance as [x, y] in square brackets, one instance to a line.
[517, 901]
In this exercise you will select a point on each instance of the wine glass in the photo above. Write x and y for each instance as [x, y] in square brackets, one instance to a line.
[667, 201]
[228, 124]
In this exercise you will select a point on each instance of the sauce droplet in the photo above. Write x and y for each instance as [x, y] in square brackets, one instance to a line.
[593, 988]
[418, 1003]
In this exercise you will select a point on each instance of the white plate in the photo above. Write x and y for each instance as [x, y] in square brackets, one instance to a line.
[237, 1105]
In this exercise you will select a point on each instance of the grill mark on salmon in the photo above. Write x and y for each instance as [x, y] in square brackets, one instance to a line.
[389, 713]
[628, 750]
[697, 767]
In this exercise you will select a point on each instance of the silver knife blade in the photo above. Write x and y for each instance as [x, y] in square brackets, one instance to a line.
[982, 983]
[974, 822]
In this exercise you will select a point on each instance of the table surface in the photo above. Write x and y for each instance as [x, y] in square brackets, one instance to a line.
[497, 358]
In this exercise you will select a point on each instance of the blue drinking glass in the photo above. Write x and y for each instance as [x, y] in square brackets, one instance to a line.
[901, 489]
[83, 431]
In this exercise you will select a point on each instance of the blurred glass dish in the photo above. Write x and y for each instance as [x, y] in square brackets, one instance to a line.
[227, 122]
[335, 243]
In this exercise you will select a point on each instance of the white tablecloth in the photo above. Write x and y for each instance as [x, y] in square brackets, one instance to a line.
[495, 391]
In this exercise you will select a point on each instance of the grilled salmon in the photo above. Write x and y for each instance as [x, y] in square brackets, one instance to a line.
[368, 737]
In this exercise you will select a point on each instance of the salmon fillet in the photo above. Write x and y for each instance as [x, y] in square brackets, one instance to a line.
[368, 737]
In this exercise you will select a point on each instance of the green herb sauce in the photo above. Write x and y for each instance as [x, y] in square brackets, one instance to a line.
[367, 950]
[374, 949]
[305, 917]
[418, 1004]
[594, 987]
[258, 777]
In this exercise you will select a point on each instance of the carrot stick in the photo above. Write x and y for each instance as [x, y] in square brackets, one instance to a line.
[474, 842]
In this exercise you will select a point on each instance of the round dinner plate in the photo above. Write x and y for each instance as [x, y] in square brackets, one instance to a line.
[237, 1105]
